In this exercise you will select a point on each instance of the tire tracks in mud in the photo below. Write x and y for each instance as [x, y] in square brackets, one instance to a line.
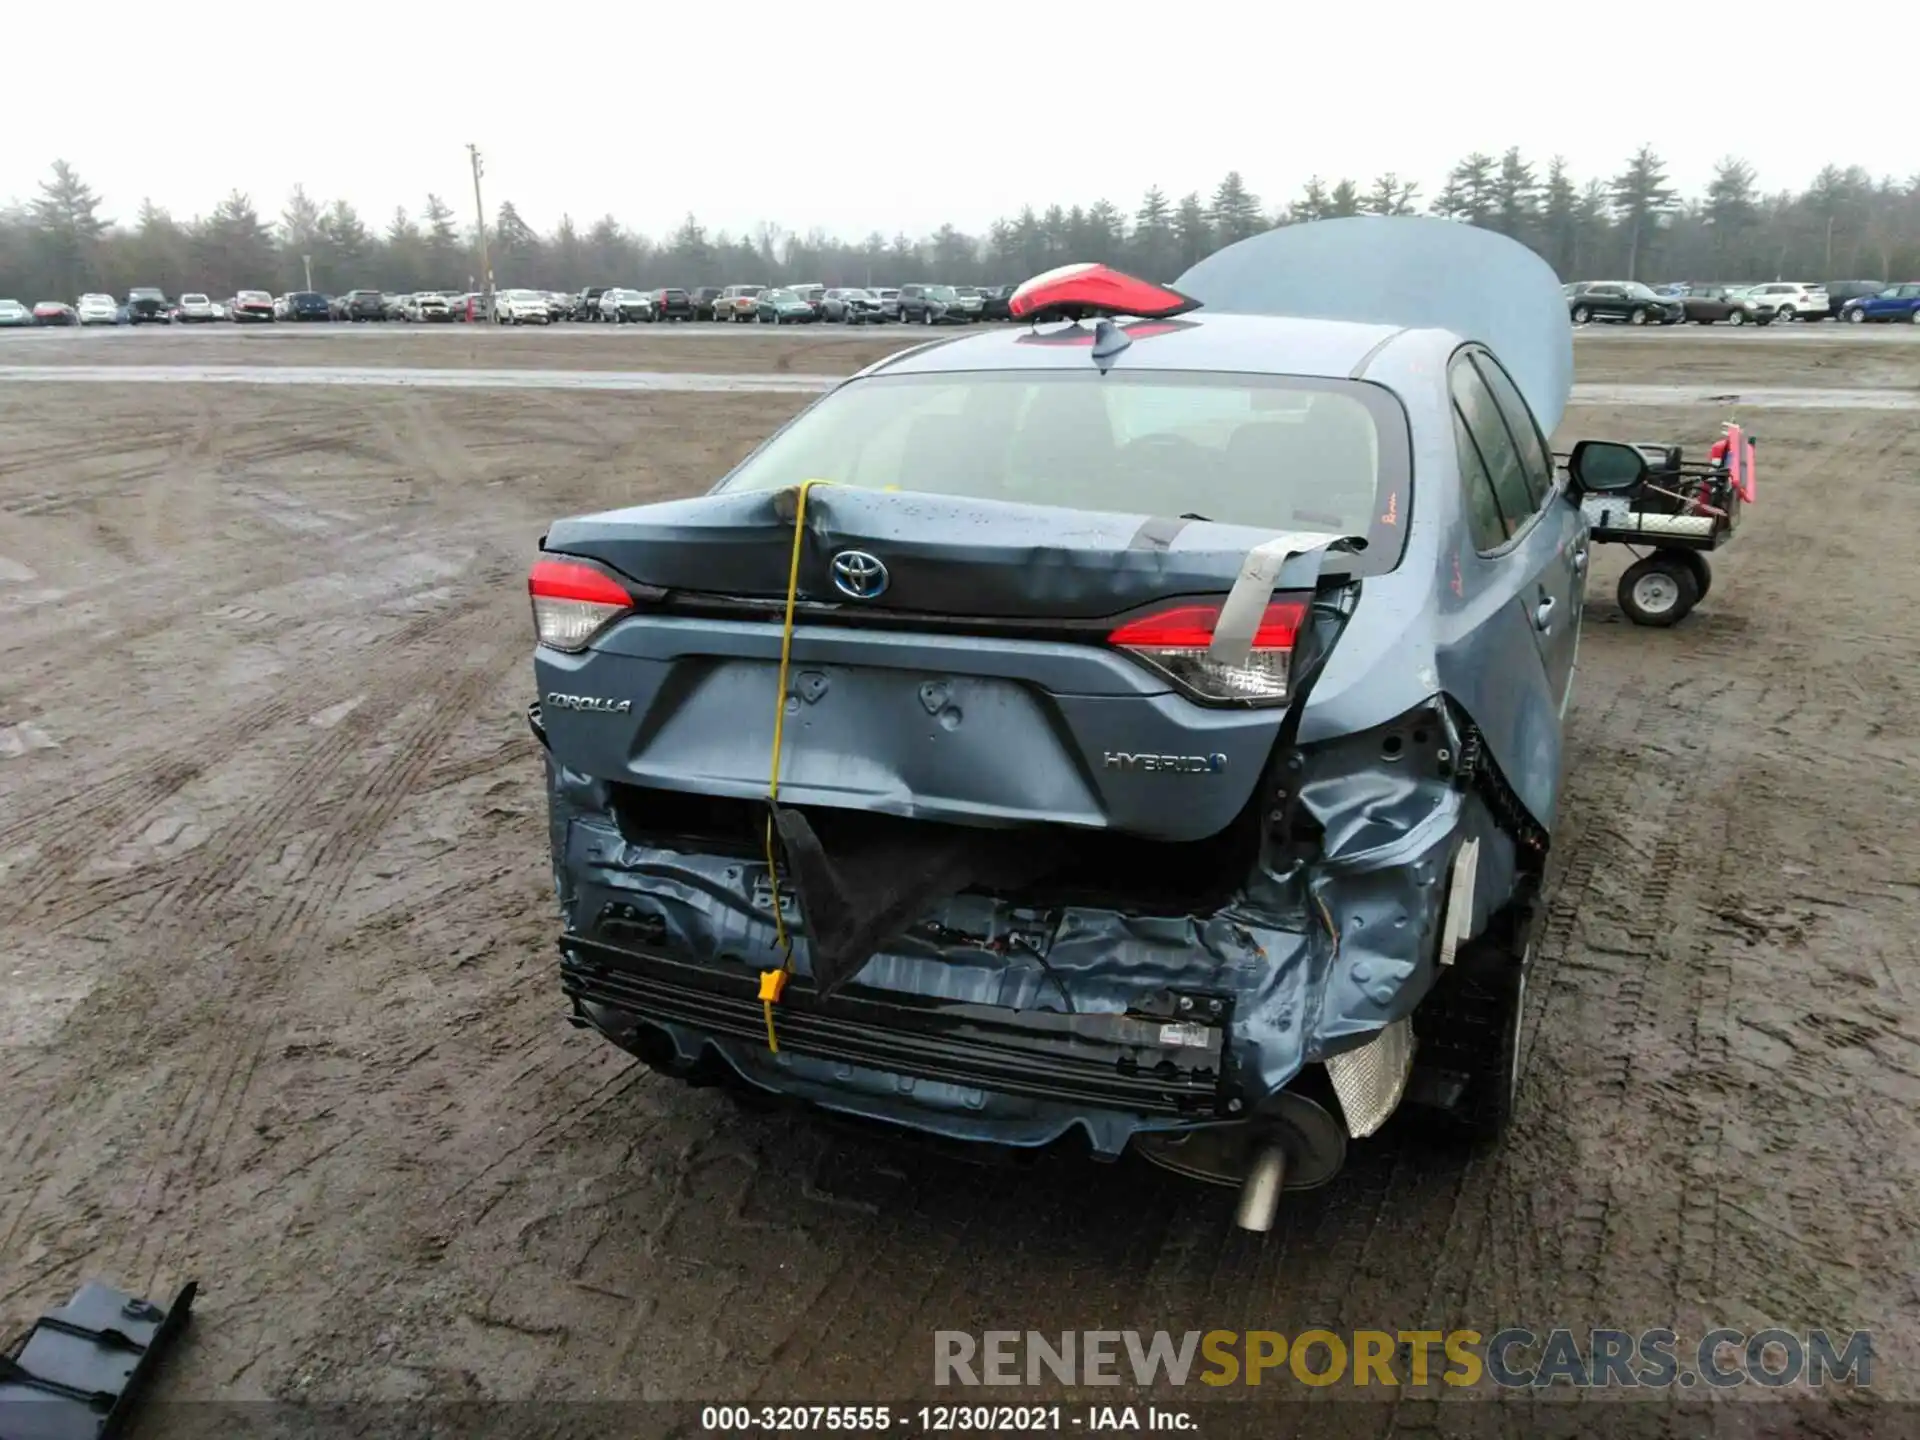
[289, 931]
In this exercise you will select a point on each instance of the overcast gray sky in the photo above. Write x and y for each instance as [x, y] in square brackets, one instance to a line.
[855, 117]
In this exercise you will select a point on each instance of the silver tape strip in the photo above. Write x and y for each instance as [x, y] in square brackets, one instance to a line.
[1247, 602]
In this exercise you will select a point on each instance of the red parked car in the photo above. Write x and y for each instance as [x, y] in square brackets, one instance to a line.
[53, 312]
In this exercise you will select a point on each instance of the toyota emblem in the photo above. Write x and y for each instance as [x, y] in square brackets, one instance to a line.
[859, 575]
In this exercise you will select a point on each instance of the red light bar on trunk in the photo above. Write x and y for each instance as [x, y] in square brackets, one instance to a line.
[1080, 292]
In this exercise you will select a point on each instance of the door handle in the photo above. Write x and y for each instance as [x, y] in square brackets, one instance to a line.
[1543, 615]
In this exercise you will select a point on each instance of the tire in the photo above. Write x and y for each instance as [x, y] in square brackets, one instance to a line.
[1737, 317]
[1702, 571]
[926, 316]
[1659, 590]
[1785, 314]
[1914, 318]
[1856, 317]
[1473, 1026]
[1581, 315]
[1637, 317]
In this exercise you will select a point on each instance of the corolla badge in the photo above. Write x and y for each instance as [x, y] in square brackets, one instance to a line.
[860, 575]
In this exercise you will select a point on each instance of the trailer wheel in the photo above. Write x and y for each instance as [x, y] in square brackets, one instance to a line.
[1659, 590]
[1702, 571]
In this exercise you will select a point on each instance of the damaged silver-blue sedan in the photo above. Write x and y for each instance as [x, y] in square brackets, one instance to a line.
[1143, 727]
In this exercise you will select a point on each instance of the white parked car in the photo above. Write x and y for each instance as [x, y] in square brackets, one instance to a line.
[428, 306]
[1786, 301]
[13, 313]
[99, 310]
[197, 309]
[521, 307]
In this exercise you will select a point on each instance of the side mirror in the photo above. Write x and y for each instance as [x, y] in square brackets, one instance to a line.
[1604, 467]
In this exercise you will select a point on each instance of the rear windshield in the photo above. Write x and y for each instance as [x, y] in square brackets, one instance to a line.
[1276, 452]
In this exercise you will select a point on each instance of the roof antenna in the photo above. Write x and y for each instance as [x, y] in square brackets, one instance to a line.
[1108, 341]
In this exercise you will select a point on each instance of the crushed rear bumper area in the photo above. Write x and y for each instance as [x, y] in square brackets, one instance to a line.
[1166, 1057]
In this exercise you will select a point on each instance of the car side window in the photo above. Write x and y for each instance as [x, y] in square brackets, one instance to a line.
[1534, 456]
[1497, 450]
[1484, 521]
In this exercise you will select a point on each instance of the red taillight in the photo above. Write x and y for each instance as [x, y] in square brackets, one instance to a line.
[1078, 292]
[1177, 642]
[574, 601]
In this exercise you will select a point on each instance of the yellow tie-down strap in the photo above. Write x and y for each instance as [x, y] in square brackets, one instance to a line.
[774, 982]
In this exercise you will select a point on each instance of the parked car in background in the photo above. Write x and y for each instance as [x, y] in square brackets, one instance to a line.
[1786, 301]
[781, 306]
[98, 309]
[308, 305]
[811, 294]
[1892, 303]
[252, 306]
[936, 305]
[851, 305]
[969, 302]
[586, 305]
[194, 309]
[55, 312]
[428, 307]
[620, 306]
[14, 315]
[1711, 304]
[148, 306]
[736, 303]
[671, 303]
[280, 311]
[993, 302]
[703, 297]
[521, 307]
[889, 298]
[361, 305]
[1626, 300]
[1841, 292]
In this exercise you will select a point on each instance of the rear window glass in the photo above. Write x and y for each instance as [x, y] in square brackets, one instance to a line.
[1276, 452]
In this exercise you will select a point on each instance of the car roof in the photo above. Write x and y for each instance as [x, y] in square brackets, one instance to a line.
[1256, 344]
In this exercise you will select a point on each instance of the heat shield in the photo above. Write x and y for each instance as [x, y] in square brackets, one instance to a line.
[1411, 271]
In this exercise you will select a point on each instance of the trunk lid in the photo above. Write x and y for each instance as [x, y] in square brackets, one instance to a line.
[974, 686]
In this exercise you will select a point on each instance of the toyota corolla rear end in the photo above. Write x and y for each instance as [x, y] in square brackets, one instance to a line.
[1046, 855]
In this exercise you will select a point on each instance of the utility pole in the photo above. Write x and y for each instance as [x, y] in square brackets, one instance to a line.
[307, 261]
[480, 229]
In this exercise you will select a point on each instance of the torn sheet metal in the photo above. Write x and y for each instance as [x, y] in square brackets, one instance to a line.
[1310, 962]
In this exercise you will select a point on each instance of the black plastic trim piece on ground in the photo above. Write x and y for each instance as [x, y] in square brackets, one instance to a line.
[1103, 1061]
[80, 1369]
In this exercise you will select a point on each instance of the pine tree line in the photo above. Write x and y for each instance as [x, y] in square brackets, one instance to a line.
[1844, 225]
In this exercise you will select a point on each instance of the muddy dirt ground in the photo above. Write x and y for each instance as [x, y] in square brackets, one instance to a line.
[278, 1008]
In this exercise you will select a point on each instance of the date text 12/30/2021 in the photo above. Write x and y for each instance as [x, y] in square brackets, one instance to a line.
[943, 1419]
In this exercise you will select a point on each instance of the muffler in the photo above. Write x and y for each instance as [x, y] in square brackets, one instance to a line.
[1292, 1144]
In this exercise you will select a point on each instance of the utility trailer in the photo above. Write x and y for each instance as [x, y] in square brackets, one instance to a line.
[1679, 510]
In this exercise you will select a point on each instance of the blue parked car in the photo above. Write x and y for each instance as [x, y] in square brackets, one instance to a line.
[1137, 726]
[1896, 302]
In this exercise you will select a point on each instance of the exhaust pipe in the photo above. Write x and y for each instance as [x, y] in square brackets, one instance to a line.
[1260, 1192]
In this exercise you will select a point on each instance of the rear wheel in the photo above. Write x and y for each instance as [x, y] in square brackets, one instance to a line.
[1472, 1029]
[1581, 315]
[1659, 590]
[1702, 571]
[1638, 317]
